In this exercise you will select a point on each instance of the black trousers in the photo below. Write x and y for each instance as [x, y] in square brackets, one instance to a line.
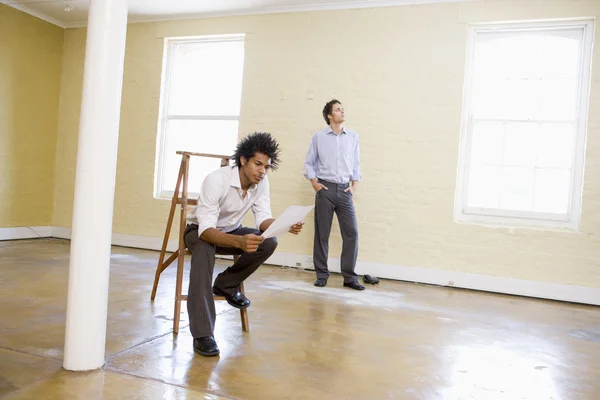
[328, 202]
[200, 303]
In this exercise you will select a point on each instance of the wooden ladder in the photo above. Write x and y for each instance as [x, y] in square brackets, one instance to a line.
[179, 254]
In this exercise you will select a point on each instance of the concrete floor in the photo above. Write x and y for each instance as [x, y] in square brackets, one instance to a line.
[392, 341]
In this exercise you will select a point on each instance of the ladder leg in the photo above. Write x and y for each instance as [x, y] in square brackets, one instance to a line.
[178, 296]
[160, 267]
[244, 313]
[180, 258]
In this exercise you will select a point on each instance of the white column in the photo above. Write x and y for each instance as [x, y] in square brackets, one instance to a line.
[85, 336]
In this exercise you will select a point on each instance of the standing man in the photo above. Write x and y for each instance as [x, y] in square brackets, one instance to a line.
[227, 194]
[333, 167]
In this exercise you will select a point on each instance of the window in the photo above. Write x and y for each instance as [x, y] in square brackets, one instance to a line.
[201, 93]
[524, 124]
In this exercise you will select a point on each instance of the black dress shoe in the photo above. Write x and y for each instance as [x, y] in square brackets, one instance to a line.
[238, 300]
[206, 346]
[320, 282]
[354, 285]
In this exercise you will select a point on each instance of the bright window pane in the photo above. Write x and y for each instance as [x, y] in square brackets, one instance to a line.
[560, 56]
[558, 99]
[520, 99]
[523, 55]
[552, 187]
[527, 76]
[508, 55]
[484, 187]
[206, 78]
[520, 144]
[490, 61]
[486, 143]
[485, 105]
[556, 147]
[517, 188]
[213, 137]
[507, 99]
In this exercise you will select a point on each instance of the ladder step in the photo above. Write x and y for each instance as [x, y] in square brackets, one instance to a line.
[190, 202]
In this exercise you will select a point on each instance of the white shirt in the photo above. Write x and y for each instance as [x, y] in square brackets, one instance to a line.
[221, 205]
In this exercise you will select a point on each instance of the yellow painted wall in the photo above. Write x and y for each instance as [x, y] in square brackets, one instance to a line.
[399, 72]
[30, 71]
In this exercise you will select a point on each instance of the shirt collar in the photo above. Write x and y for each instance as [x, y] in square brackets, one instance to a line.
[329, 130]
[235, 180]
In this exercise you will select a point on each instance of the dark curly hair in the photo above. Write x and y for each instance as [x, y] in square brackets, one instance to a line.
[327, 109]
[257, 142]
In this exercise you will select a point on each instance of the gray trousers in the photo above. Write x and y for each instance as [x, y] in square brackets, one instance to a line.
[328, 202]
[200, 302]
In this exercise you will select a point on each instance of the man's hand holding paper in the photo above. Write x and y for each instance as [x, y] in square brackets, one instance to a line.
[289, 221]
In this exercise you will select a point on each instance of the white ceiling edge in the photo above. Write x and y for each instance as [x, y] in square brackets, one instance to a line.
[242, 12]
[35, 13]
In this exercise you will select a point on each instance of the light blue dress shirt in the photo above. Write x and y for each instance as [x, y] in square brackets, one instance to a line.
[334, 158]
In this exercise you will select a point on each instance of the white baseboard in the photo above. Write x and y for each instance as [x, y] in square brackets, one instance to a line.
[487, 283]
[142, 242]
[25, 232]
[481, 282]
[120, 239]
[60, 232]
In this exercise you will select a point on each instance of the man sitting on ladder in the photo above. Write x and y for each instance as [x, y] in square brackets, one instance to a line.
[215, 227]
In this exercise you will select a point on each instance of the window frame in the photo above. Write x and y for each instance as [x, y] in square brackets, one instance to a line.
[169, 45]
[529, 219]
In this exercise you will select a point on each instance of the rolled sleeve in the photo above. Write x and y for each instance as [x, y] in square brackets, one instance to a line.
[262, 206]
[207, 210]
[356, 174]
[310, 163]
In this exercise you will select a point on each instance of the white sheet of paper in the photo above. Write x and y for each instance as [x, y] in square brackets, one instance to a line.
[291, 216]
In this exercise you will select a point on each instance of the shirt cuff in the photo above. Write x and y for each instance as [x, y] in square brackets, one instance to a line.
[259, 220]
[203, 227]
